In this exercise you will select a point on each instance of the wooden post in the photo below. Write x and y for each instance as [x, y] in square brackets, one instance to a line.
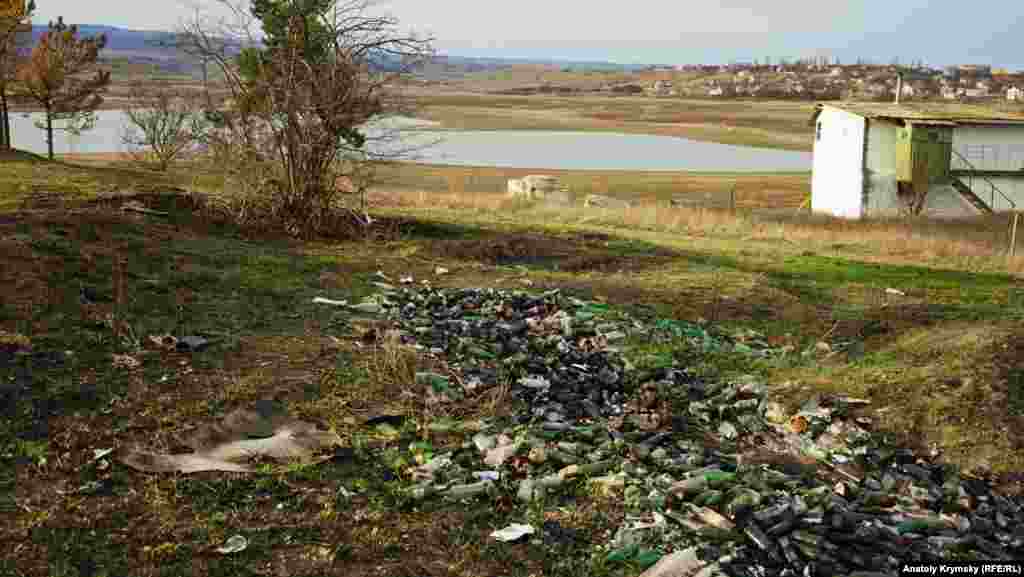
[732, 199]
[1013, 234]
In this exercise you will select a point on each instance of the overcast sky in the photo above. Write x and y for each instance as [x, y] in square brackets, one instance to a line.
[663, 31]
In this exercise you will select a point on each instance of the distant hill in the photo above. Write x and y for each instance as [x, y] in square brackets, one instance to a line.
[147, 46]
[484, 63]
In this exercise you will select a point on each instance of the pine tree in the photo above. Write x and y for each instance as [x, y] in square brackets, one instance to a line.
[57, 76]
[15, 28]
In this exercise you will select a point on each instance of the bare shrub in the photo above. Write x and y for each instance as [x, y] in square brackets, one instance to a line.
[163, 125]
[293, 135]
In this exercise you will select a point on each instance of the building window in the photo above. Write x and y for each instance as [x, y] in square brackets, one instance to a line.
[818, 134]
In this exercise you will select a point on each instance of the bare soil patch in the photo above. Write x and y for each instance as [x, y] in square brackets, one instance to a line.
[578, 253]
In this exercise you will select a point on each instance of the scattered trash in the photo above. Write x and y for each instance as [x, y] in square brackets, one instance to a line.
[892, 291]
[125, 362]
[605, 486]
[469, 491]
[437, 382]
[512, 533]
[235, 544]
[441, 271]
[262, 430]
[645, 558]
[368, 307]
[99, 454]
[679, 564]
[484, 442]
[504, 450]
[163, 342]
[557, 535]
[406, 280]
[192, 344]
[775, 413]
[325, 301]
[734, 484]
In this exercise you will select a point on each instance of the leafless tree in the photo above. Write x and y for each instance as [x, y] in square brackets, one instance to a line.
[301, 98]
[163, 124]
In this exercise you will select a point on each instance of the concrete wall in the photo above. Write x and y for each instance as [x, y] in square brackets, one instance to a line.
[943, 201]
[881, 197]
[837, 183]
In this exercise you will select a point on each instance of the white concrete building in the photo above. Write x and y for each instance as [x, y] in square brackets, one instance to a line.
[1014, 94]
[874, 159]
[906, 89]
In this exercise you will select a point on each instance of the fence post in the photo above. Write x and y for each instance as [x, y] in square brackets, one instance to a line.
[732, 199]
[1013, 234]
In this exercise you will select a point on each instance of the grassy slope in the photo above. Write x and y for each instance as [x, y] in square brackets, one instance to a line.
[938, 360]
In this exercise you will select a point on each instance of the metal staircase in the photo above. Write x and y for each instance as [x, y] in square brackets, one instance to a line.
[968, 195]
[974, 177]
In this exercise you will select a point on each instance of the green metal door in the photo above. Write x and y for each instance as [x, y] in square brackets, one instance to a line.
[924, 155]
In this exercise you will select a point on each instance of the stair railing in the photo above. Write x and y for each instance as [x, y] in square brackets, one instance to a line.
[973, 173]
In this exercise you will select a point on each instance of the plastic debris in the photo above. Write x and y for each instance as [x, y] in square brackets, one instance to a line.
[326, 301]
[513, 532]
[261, 430]
[679, 564]
[192, 344]
[235, 544]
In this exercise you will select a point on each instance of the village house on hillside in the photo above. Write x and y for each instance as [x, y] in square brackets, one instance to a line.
[877, 159]
[663, 88]
[824, 81]
[952, 92]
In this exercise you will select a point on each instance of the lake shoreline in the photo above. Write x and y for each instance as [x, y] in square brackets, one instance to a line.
[419, 142]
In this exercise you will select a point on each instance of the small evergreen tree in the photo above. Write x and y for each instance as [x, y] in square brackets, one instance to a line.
[15, 30]
[61, 75]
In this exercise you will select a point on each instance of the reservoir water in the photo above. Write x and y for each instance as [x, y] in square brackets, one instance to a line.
[423, 142]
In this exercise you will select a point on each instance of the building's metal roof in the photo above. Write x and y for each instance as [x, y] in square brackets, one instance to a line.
[927, 112]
